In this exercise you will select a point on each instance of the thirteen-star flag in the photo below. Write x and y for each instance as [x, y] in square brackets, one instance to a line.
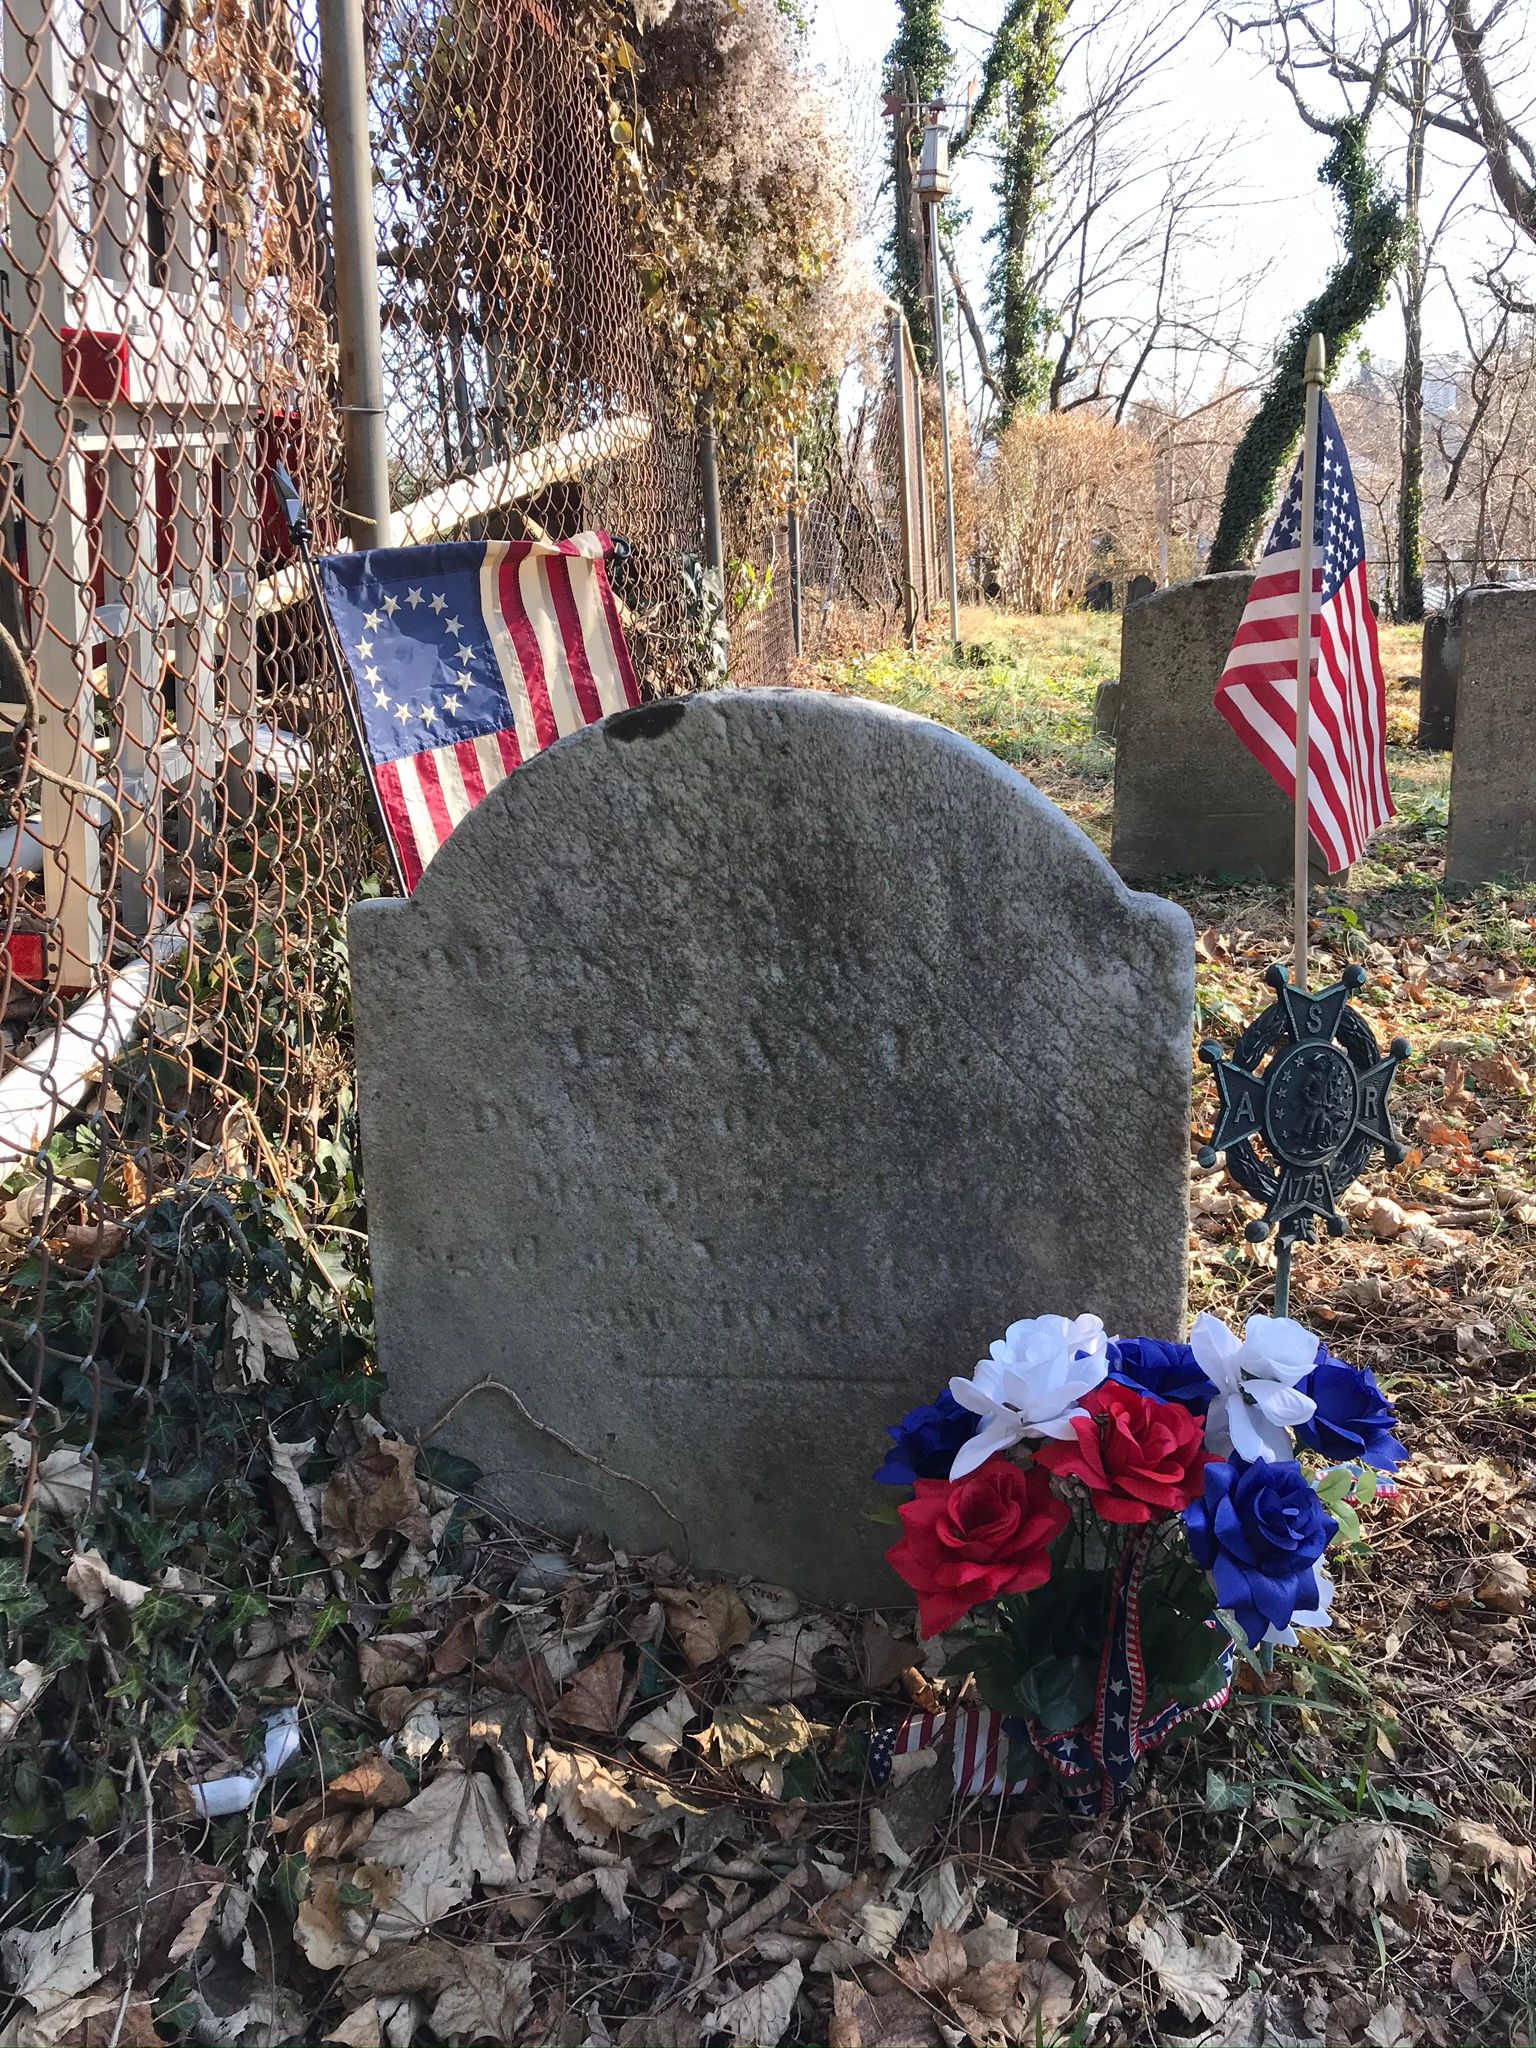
[1349, 797]
[469, 656]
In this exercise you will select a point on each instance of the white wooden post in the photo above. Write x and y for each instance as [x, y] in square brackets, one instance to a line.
[41, 95]
[135, 663]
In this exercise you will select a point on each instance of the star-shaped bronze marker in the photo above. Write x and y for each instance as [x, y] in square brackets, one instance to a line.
[1298, 1130]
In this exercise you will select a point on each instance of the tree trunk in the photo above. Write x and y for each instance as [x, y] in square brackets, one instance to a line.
[1410, 494]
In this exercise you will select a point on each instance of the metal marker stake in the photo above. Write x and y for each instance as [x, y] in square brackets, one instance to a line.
[1317, 363]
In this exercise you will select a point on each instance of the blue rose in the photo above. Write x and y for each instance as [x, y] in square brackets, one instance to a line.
[1259, 1531]
[926, 1441]
[1167, 1371]
[1354, 1419]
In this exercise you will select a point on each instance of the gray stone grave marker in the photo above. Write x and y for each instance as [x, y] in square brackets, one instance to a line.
[741, 1067]
[1189, 797]
[1493, 764]
[1439, 665]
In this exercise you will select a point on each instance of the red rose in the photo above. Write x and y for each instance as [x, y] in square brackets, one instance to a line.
[1137, 1456]
[967, 1540]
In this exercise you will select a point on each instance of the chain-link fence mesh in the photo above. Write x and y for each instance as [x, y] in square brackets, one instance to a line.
[854, 553]
[185, 819]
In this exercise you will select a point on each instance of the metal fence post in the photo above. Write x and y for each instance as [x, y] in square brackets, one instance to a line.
[344, 102]
[709, 487]
[796, 579]
[926, 577]
[909, 498]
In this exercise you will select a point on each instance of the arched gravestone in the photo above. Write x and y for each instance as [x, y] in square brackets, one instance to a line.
[1492, 829]
[1189, 797]
[741, 1067]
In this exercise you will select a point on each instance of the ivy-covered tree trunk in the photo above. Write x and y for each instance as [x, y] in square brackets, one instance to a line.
[1024, 66]
[1374, 242]
[1410, 492]
[916, 68]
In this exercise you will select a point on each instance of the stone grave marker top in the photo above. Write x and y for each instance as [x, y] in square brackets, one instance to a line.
[741, 1067]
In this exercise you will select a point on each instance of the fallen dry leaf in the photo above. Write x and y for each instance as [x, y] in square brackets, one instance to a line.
[257, 1332]
[593, 1801]
[1193, 1975]
[489, 1999]
[285, 1461]
[942, 1965]
[893, 2020]
[450, 1836]
[1484, 1851]
[56, 1963]
[778, 1666]
[373, 1494]
[64, 1477]
[759, 2017]
[148, 1932]
[597, 1696]
[1360, 1864]
[93, 1582]
[738, 1734]
[372, 1781]
[362, 2028]
[659, 1734]
[1505, 1585]
[1499, 1075]
[96, 2019]
[705, 1624]
[392, 1660]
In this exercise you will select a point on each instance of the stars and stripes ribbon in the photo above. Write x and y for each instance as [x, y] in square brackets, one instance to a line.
[1348, 798]
[1094, 1761]
[978, 1742]
[468, 657]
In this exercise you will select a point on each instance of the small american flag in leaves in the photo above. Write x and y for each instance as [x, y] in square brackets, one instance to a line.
[468, 657]
[1348, 799]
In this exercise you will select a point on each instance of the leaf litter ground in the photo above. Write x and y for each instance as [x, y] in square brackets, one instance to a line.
[549, 1793]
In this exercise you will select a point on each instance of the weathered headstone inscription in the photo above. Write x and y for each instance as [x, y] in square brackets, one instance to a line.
[740, 1068]
[1439, 665]
[1493, 766]
[1189, 797]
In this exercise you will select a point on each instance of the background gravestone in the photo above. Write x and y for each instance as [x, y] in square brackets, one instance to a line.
[1189, 797]
[1492, 829]
[739, 1070]
[1439, 665]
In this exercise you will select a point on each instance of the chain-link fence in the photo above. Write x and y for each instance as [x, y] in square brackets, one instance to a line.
[185, 820]
[854, 557]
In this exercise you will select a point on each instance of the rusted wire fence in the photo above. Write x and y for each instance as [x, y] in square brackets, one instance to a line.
[184, 818]
[854, 554]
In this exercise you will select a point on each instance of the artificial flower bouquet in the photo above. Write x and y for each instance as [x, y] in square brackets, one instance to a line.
[1115, 1513]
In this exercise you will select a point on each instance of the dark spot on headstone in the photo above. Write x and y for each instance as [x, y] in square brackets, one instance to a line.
[646, 721]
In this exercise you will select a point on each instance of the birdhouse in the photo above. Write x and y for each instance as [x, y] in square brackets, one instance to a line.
[933, 164]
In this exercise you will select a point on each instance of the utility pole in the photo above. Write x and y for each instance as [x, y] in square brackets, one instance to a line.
[932, 189]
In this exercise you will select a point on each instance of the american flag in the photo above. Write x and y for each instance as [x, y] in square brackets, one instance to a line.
[468, 656]
[979, 1749]
[1348, 799]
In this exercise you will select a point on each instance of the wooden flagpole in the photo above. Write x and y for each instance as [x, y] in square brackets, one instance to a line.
[1317, 364]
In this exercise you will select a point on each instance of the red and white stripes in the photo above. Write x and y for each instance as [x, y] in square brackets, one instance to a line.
[1348, 797]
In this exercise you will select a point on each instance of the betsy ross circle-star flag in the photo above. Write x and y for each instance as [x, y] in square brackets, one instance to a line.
[468, 657]
[1348, 799]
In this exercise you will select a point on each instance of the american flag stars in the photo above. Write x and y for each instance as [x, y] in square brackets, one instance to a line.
[469, 657]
